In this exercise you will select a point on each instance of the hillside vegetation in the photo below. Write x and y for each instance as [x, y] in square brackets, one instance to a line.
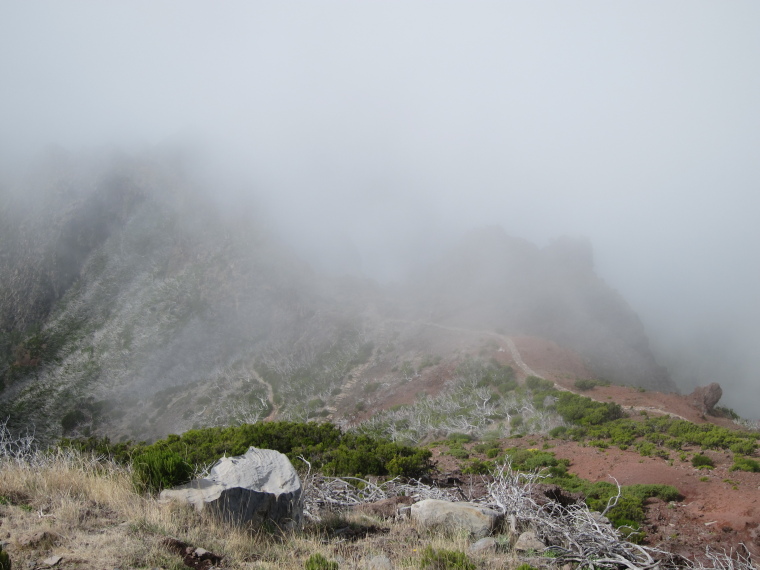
[132, 305]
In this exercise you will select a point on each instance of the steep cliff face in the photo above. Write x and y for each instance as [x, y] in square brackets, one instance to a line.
[498, 282]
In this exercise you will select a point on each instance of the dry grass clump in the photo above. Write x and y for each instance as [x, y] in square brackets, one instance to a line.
[88, 512]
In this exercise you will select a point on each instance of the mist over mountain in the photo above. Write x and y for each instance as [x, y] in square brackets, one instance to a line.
[127, 291]
[499, 282]
[363, 143]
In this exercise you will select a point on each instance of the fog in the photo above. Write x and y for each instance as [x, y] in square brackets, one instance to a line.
[375, 133]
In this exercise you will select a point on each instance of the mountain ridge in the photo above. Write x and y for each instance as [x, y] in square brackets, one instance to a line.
[133, 306]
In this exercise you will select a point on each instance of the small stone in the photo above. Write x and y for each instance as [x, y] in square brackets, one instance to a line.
[529, 541]
[379, 562]
[52, 561]
[483, 546]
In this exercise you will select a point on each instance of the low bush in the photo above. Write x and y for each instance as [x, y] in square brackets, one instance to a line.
[318, 562]
[324, 445]
[537, 384]
[533, 459]
[589, 384]
[701, 461]
[745, 464]
[629, 511]
[585, 411]
[157, 469]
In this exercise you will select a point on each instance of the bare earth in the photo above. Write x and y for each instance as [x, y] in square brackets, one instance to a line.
[720, 507]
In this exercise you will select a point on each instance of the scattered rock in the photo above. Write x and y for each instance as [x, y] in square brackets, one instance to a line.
[198, 558]
[704, 398]
[385, 508]
[52, 561]
[433, 513]
[379, 562]
[260, 486]
[484, 546]
[529, 541]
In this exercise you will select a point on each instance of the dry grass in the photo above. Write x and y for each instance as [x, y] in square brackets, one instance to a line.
[88, 512]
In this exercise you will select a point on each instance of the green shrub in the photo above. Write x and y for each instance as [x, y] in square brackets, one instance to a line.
[457, 437]
[558, 432]
[537, 384]
[459, 453]
[589, 384]
[324, 445]
[526, 566]
[445, 560]
[745, 464]
[478, 467]
[700, 460]
[157, 469]
[532, 460]
[744, 447]
[585, 411]
[319, 562]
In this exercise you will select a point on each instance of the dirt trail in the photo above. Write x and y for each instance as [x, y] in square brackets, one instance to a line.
[517, 358]
[270, 395]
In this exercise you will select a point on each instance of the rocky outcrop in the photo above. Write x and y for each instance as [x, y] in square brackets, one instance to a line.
[432, 514]
[704, 398]
[260, 486]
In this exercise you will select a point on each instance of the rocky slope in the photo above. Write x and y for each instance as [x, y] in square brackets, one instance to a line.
[132, 305]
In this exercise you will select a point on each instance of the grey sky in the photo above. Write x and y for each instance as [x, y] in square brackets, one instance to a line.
[636, 124]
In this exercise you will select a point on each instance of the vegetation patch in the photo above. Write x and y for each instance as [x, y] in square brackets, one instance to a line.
[324, 445]
[589, 384]
[745, 464]
[443, 559]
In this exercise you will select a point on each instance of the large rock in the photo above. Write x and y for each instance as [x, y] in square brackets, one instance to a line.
[435, 514]
[260, 486]
[704, 398]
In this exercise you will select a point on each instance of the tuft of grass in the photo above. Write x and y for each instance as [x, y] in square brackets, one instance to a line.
[318, 562]
[445, 560]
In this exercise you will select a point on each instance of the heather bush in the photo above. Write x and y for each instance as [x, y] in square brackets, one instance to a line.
[702, 461]
[157, 469]
[745, 464]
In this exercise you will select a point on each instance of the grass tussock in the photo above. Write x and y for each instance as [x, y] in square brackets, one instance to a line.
[89, 513]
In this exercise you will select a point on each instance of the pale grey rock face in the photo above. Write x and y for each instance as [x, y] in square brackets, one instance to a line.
[433, 513]
[529, 541]
[260, 486]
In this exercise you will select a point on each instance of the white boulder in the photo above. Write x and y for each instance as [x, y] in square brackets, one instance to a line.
[260, 486]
